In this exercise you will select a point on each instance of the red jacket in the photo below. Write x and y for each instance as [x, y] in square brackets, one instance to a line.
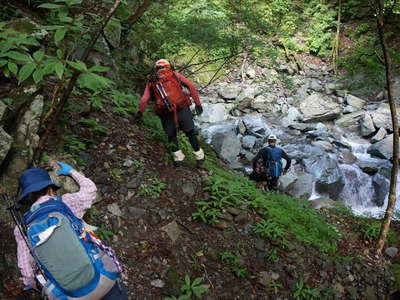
[144, 101]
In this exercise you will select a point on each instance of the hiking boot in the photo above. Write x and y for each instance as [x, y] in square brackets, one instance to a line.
[178, 157]
[199, 155]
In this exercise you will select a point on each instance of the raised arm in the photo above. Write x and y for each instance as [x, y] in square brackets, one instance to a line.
[144, 101]
[80, 201]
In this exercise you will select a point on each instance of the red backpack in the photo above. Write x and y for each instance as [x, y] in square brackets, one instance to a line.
[168, 93]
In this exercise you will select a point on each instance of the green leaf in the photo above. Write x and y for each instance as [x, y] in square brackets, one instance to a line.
[187, 279]
[26, 71]
[18, 56]
[6, 72]
[99, 69]
[197, 281]
[38, 55]
[79, 65]
[3, 62]
[12, 67]
[59, 67]
[37, 76]
[60, 34]
[60, 54]
[50, 5]
[51, 27]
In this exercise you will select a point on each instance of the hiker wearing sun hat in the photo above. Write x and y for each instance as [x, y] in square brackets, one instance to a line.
[85, 268]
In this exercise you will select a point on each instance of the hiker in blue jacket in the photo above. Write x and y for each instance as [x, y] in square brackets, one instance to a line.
[267, 164]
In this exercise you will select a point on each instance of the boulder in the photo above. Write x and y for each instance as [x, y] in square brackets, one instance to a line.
[248, 142]
[381, 189]
[315, 85]
[322, 203]
[367, 127]
[355, 101]
[25, 141]
[292, 116]
[329, 177]
[350, 121]
[285, 181]
[251, 73]
[317, 108]
[379, 136]
[323, 145]
[264, 103]
[302, 187]
[226, 145]
[213, 113]
[229, 92]
[382, 120]
[246, 97]
[383, 148]
[368, 166]
[5, 144]
[210, 131]
[347, 157]
[256, 125]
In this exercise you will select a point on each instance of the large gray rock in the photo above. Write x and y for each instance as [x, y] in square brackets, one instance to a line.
[323, 145]
[368, 166]
[355, 101]
[382, 120]
[379, 136]
[256, 125]
[350, 121]
[383, 148]
[226, 145]
[246, 97]
[322, 203]
[5, 144]
[25, 141]
[214, 113]
[317, 108]
[302, 186]
[210, 131]
[329, 177]
[229, 92]
[248, 142]
[264, 103]
[292, 116]
[367, 127]
[381, 189]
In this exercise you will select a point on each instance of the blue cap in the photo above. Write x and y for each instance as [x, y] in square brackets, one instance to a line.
[34, 180]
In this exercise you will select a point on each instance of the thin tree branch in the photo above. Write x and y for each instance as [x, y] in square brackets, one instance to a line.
[138, 13]
[72, 81]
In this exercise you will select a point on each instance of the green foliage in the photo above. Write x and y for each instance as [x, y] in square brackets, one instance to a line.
[302, 292]
[274, 286]
[104, 234]
[269, 229]
[117, 174]
[123, 103]
[190, 289]
[73, 143]
[138, 164]
[236, 264]
[152, 189]
[94, 126]
[272, 255]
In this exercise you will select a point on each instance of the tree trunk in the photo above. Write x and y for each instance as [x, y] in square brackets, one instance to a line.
[72, 81]
[138, 13]
[393, 179]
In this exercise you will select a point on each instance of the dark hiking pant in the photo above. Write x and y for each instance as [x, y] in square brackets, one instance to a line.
[273, 183]
[186, 124]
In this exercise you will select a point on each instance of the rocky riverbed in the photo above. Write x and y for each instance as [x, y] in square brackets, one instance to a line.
[340, 139]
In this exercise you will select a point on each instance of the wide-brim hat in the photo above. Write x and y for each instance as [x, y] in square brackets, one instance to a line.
[34, 180]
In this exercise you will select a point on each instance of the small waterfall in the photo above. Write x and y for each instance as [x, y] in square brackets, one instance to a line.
[358, 190]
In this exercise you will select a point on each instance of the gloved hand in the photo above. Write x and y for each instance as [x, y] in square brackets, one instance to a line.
[199, 109]
[65, 169]
[137, 118]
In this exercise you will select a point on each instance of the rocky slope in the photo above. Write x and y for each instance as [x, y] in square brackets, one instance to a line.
[159, 242]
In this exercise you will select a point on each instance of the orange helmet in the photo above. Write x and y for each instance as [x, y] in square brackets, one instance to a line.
[162, 64]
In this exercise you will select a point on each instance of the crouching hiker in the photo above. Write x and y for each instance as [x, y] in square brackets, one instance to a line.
[57, 253]
[267, 164]
[172, 106]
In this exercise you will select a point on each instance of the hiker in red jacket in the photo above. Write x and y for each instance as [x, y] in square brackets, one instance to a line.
[172, 106]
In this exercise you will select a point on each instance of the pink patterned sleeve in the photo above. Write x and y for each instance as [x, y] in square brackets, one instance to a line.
[80, 201]
[25, 260]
